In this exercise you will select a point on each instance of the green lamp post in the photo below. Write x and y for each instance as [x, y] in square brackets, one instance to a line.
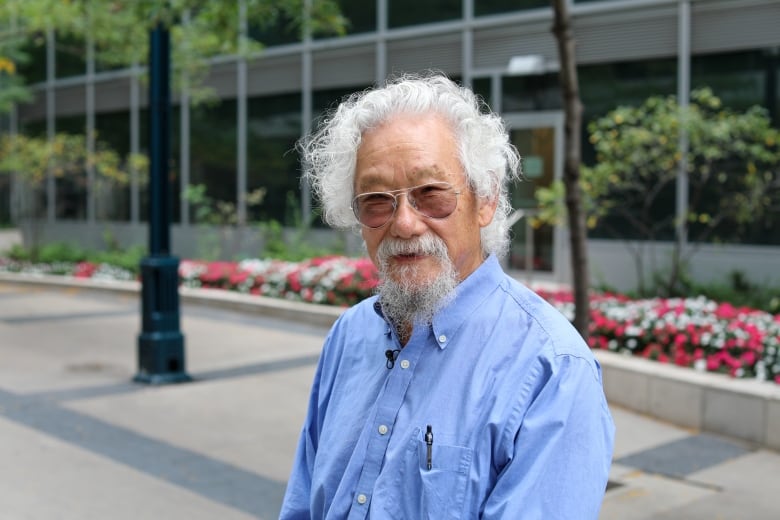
[161, 358]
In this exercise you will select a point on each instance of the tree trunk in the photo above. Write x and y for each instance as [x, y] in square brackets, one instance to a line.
[571, 170]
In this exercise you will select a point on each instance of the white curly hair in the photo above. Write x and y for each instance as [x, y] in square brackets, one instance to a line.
[489, 160]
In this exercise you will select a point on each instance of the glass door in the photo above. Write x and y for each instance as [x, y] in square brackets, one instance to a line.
[538, 138]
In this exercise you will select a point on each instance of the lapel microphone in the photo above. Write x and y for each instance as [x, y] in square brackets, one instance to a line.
[391, 355]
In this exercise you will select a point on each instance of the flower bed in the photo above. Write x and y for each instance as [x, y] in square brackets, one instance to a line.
[693, 332]
[333, 280]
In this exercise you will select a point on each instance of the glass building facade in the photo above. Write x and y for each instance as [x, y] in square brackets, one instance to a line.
[627, 50]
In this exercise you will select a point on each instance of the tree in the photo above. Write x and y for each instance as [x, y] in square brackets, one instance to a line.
[733, 169]
[571, 169]
[12, 88]
[118, 33]
[33, 159]
[200, 29]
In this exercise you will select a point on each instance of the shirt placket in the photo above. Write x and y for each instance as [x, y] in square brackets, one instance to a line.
[389, 403]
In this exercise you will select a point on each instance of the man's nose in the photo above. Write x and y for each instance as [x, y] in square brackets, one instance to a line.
[406, 222]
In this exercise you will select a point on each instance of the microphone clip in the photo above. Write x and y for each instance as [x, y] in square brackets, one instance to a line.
[391, 355]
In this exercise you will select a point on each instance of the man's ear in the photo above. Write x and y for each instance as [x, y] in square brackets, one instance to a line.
[487, 208]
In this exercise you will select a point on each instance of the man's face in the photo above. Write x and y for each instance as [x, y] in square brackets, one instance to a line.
[410, 150]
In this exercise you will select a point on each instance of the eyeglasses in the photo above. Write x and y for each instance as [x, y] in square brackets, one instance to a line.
[434, 200]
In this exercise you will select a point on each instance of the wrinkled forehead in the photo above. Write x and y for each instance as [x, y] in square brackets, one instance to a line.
[407, 150]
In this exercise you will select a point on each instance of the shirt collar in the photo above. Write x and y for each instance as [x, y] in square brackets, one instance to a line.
[469, 294]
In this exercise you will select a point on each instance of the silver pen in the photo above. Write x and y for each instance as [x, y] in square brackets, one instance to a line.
[429, 442]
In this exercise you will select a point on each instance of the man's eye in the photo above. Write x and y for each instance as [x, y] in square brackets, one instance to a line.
[376, 198]
[377, 203]
[430, 191]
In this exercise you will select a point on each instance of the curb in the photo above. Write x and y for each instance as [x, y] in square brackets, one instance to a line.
[309, 313]
[744, 409]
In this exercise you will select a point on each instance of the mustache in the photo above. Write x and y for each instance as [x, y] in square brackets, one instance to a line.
[430, 245]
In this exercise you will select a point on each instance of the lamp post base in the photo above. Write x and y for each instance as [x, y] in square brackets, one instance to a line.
[160, 344]
[161, 359]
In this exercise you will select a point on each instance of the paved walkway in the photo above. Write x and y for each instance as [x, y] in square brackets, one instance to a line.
[80, 441]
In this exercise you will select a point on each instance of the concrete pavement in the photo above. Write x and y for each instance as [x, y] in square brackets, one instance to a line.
[81, 441]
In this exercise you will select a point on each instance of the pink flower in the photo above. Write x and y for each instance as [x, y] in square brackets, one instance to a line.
[84, 270]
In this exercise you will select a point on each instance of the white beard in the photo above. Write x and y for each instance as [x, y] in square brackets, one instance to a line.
[405, 300]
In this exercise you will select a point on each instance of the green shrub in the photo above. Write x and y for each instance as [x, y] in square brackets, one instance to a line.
[736, 289]
[293, 248]
[129, 259]
[741, 292]
[18, 253]
[60, 252]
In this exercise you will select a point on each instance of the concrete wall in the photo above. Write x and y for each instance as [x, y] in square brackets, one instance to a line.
[9, 238]
[611, 263]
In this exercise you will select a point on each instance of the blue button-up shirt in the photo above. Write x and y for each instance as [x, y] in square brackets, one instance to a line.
[513, 396]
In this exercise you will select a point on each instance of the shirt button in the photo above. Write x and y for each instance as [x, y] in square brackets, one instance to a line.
[442, 338]
[405, 364]
[362, 499]
[382, 429]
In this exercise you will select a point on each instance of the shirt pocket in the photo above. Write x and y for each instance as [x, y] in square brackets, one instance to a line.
[438, 493]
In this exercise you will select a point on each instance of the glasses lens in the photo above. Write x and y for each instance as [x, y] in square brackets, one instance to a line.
[434, 200]
[374, 209]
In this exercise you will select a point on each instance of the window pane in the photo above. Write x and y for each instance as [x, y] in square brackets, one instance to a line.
[738, 79]
[213, 150]
[34, 70]
[35, 128]
[481, 87]
[70, 54]
[414, 12]
[361, 15]
[529, 93]
[741, 80]
[71, 196]
[273, 128]
[279, 32]
[324, 101]
[774, 80]
[487, 7]
[604, 88]
[112, 199]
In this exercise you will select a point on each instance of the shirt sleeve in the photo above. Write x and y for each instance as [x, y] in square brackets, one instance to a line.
[562, 450]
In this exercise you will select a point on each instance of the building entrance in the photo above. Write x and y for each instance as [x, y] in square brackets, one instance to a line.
[539, 139]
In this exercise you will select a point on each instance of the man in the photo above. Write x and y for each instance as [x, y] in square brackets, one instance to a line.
[456, 392]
